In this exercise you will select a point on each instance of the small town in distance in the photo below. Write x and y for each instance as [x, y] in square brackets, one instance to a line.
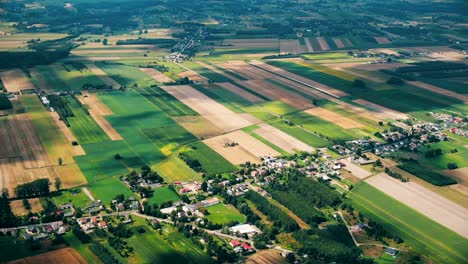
[233, 132]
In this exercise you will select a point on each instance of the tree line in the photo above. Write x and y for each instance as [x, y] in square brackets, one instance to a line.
[39, 187]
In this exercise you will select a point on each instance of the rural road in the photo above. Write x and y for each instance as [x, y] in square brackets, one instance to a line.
[86, 191]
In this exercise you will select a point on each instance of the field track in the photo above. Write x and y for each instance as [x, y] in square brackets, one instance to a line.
[65, 255]
[15, 80]
[434, 206]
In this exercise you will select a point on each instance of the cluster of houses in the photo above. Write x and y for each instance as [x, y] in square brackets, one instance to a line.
[188, 187]
[242, 247]
[88, 224]
[38, 232]
[455, 124]
[130, 204]
[183, 209]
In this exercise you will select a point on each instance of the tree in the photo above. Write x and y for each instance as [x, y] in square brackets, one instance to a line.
[452, 166]
[410, 257]
[395, 81]
[204, 186]
[359, 83]
[26, 204]
[58, 184]
[104, 42]
[60, 161]
[117, 156]
[381, 123]
[5, 194]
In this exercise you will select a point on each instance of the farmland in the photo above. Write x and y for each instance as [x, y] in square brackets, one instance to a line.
[436, 241]
[166, 123]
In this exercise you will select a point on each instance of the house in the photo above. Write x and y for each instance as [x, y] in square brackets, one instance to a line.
[235, 243]
[102, 224]
[245, 229]
[391, 251]
[247, 247]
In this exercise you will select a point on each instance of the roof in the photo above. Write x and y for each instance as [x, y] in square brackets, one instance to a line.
[247, 246]
[235, 243]
[244, 229]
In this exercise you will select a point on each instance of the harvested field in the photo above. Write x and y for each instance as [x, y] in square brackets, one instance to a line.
[439, 90]
[290, 46]
[461, 175]
[434, 206]
[335, 118]
[251, 43]
[243, 93]
[103, 76]
[98, 110]
[67, 133]
[302, 80]
[18, 208]
[15, 80]
[247, 149]
[64, 255]
[158, 76]
[192, 76]
[339, 44]
[208, 108]
[310, 49]
[281, 139]
[382, 112]
[92, 58]
[199, 126]
[355, 169]
[382, 40]
[380, 66]
[276, 93]
[214, 69]
[323, 43]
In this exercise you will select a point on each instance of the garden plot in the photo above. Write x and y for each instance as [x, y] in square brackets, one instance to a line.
[239, 147]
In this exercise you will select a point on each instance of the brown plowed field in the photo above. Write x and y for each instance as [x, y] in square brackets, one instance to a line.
[335, 118]
[61, 256]
[382, 40]
[323, 43]
[298, 78]
[276, 93]
[290, 46]
[192, 76]
[425, 201]
[215, 112]
[339, 44]
[310, 49]
[251, 43]
[158, 76]
[266, 257]
[248, 148]
[15, 80]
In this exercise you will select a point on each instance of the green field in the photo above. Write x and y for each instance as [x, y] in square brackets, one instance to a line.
[170, 247]
[327, 56]
[299, 133]
[81, 248]
[321, 126]
[207, 73]
[162, 194]
[174, 169]
[106, 190]
[166, 102]
[83, 126]
[426, 174]
[223, 214]
[460, 157]
[77, 197]
[211, 161]
[127, 76]
[418, 231]
[250, 130]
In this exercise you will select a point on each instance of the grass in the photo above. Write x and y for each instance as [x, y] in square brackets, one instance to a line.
[166, 102]
[106, 190]
[212, 163]
[163, 194]
[301, 134]
[168, 247]
[426, 174]
[440, 163]
[127, 76]
[77, 197]
[321, 126]
[83, 126]
[81, 248]
[418, 231]
[211, 75]
[224, 214]
[174, 169]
